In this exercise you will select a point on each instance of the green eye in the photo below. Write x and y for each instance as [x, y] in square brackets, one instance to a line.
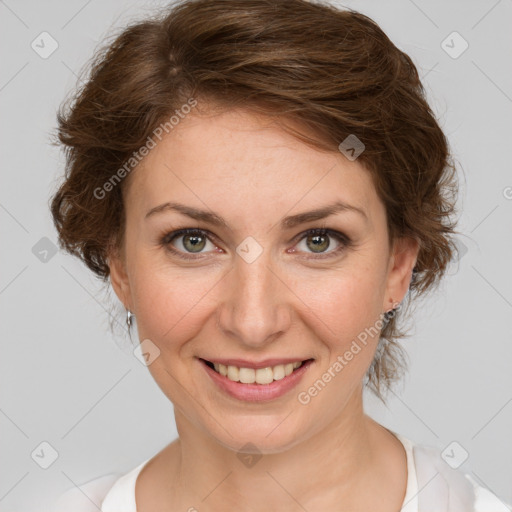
[318, 241]
[194, 241]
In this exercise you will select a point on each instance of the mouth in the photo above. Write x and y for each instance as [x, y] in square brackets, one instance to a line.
[259, 376]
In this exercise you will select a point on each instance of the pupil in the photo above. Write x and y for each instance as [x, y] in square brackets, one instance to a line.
[195, 240]
[318, 244]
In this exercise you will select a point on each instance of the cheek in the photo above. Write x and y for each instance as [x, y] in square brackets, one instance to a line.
[343, 301]
[171, 302]
[344, 313]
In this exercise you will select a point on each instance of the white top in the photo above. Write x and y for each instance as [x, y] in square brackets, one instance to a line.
[115, 493]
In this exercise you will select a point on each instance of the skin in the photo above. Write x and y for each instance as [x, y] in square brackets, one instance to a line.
[327, 454]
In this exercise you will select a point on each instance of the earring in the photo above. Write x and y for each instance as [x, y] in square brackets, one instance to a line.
[129, 318]
[390, 313]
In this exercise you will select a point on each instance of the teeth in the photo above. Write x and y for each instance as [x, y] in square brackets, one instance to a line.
[246, 375]
[258, 376]
[233, 373]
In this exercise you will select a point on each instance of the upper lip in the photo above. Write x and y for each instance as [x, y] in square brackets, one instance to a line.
[244, 363]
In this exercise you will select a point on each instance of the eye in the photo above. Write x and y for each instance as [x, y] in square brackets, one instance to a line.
[191, 241]
[318, 241]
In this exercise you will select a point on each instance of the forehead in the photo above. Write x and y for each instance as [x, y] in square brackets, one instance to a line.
[240, 159]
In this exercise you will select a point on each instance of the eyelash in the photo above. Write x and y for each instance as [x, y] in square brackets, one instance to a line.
[167, 238]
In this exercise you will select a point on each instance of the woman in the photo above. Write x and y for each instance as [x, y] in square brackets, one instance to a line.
[265, 187]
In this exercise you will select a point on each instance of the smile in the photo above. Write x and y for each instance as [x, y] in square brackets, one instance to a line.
[253, 375]
[256, 384]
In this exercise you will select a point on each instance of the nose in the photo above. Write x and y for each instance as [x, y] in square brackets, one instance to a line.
[256, 307]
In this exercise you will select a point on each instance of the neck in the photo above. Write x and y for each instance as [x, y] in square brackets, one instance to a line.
[334, 465]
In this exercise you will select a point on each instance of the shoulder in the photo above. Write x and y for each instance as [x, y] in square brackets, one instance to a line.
[438, 480]
[87, 497]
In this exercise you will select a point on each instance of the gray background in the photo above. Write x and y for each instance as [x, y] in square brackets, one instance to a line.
[67, 381]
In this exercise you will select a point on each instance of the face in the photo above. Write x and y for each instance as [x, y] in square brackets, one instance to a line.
[252, 280]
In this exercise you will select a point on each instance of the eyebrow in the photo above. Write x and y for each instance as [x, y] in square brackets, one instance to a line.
[286, 223]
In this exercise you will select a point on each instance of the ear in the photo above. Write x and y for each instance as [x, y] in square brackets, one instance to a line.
[119, 278]
[402, 261]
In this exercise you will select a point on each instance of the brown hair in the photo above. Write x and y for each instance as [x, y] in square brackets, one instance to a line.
[333, 71]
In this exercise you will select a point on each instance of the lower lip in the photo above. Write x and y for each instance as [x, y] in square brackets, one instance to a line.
[257, 392]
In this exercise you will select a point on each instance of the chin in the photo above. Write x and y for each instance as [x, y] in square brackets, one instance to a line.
[265, 434]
